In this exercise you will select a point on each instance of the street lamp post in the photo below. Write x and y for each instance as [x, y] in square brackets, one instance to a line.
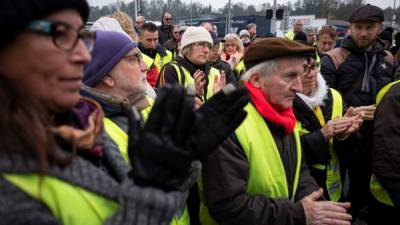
[273, 20]
[394, 13]
[229, 17]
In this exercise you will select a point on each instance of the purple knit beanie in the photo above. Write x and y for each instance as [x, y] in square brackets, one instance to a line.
[110, 47]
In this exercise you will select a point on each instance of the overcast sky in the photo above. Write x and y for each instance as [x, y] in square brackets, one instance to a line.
[220, 3]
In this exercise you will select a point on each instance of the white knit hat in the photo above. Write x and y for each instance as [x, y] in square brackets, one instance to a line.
[244, 33]
[108, 24]
[195, 34]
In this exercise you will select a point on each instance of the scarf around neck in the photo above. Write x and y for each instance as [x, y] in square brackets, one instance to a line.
[285, 117]
[317, 96]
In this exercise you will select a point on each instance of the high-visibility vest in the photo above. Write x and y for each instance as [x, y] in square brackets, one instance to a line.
[377, 190]
[119, 136]
[121, 139]
[267, 174]
[333, 180]
[187, 80]
[240, 68]
[290, 35]
[70, 204]
[158, 61]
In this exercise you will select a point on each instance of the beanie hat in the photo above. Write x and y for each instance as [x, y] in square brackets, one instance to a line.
[15, 15]
[244, 33]
[109, 24]
[386, 36]
[195, 34]
[274, 47]
[110, 47]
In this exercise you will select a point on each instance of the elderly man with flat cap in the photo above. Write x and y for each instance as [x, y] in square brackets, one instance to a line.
[358, 70]
[258, 176]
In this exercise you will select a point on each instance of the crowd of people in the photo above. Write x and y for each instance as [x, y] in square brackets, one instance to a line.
[130, 123]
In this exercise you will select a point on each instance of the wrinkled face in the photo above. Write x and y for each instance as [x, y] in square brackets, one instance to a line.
[167, 19]
[139, 22]
[199, 53]
[231, 46]
[130, 75]
[44, 71]
[309, 79]
[325, 43]
[149, 39]
[365, 33]
[281, 87]
[297, 26]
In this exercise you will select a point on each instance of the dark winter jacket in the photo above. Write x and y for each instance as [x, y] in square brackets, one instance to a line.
[314, 144]
[350, 79]
[225, 179]
[353, 68]
[229, 74]
[164, 34]
[386, 150]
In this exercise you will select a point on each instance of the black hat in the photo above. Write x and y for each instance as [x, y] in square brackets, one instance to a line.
[367, 13]
[275, 47]
[300, 37]
[16, 14]
[386, 35]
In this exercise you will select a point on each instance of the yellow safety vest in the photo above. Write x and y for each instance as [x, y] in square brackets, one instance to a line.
[70, 204]
[377, 190]
[267, 174]
[333, 180]
[121, 139]
[158, 61]
[290, 35]
[240, 68]
[188, 80]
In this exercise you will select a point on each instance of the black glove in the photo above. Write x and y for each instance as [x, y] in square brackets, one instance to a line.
[158, 152]
[219, 118]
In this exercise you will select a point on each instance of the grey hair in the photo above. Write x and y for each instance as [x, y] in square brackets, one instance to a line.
[186, 50]
[264, 69]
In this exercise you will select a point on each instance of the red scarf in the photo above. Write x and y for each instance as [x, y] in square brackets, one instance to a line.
[284, 118]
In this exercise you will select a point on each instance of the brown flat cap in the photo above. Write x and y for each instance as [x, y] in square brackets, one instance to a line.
[367, 13]
[271, 48]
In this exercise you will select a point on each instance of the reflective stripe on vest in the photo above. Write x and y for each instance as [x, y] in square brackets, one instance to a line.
[190, 81]
[70, 204]
[377, 190]
[267, 174]
[158, 61]
[333, 181]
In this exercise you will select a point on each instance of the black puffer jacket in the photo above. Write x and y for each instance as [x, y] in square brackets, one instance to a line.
[353, 66]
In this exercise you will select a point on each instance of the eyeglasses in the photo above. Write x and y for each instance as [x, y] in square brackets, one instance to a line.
[203, 44]
[133, 58]
[64, 36]
[168, 19]
[310, 67]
